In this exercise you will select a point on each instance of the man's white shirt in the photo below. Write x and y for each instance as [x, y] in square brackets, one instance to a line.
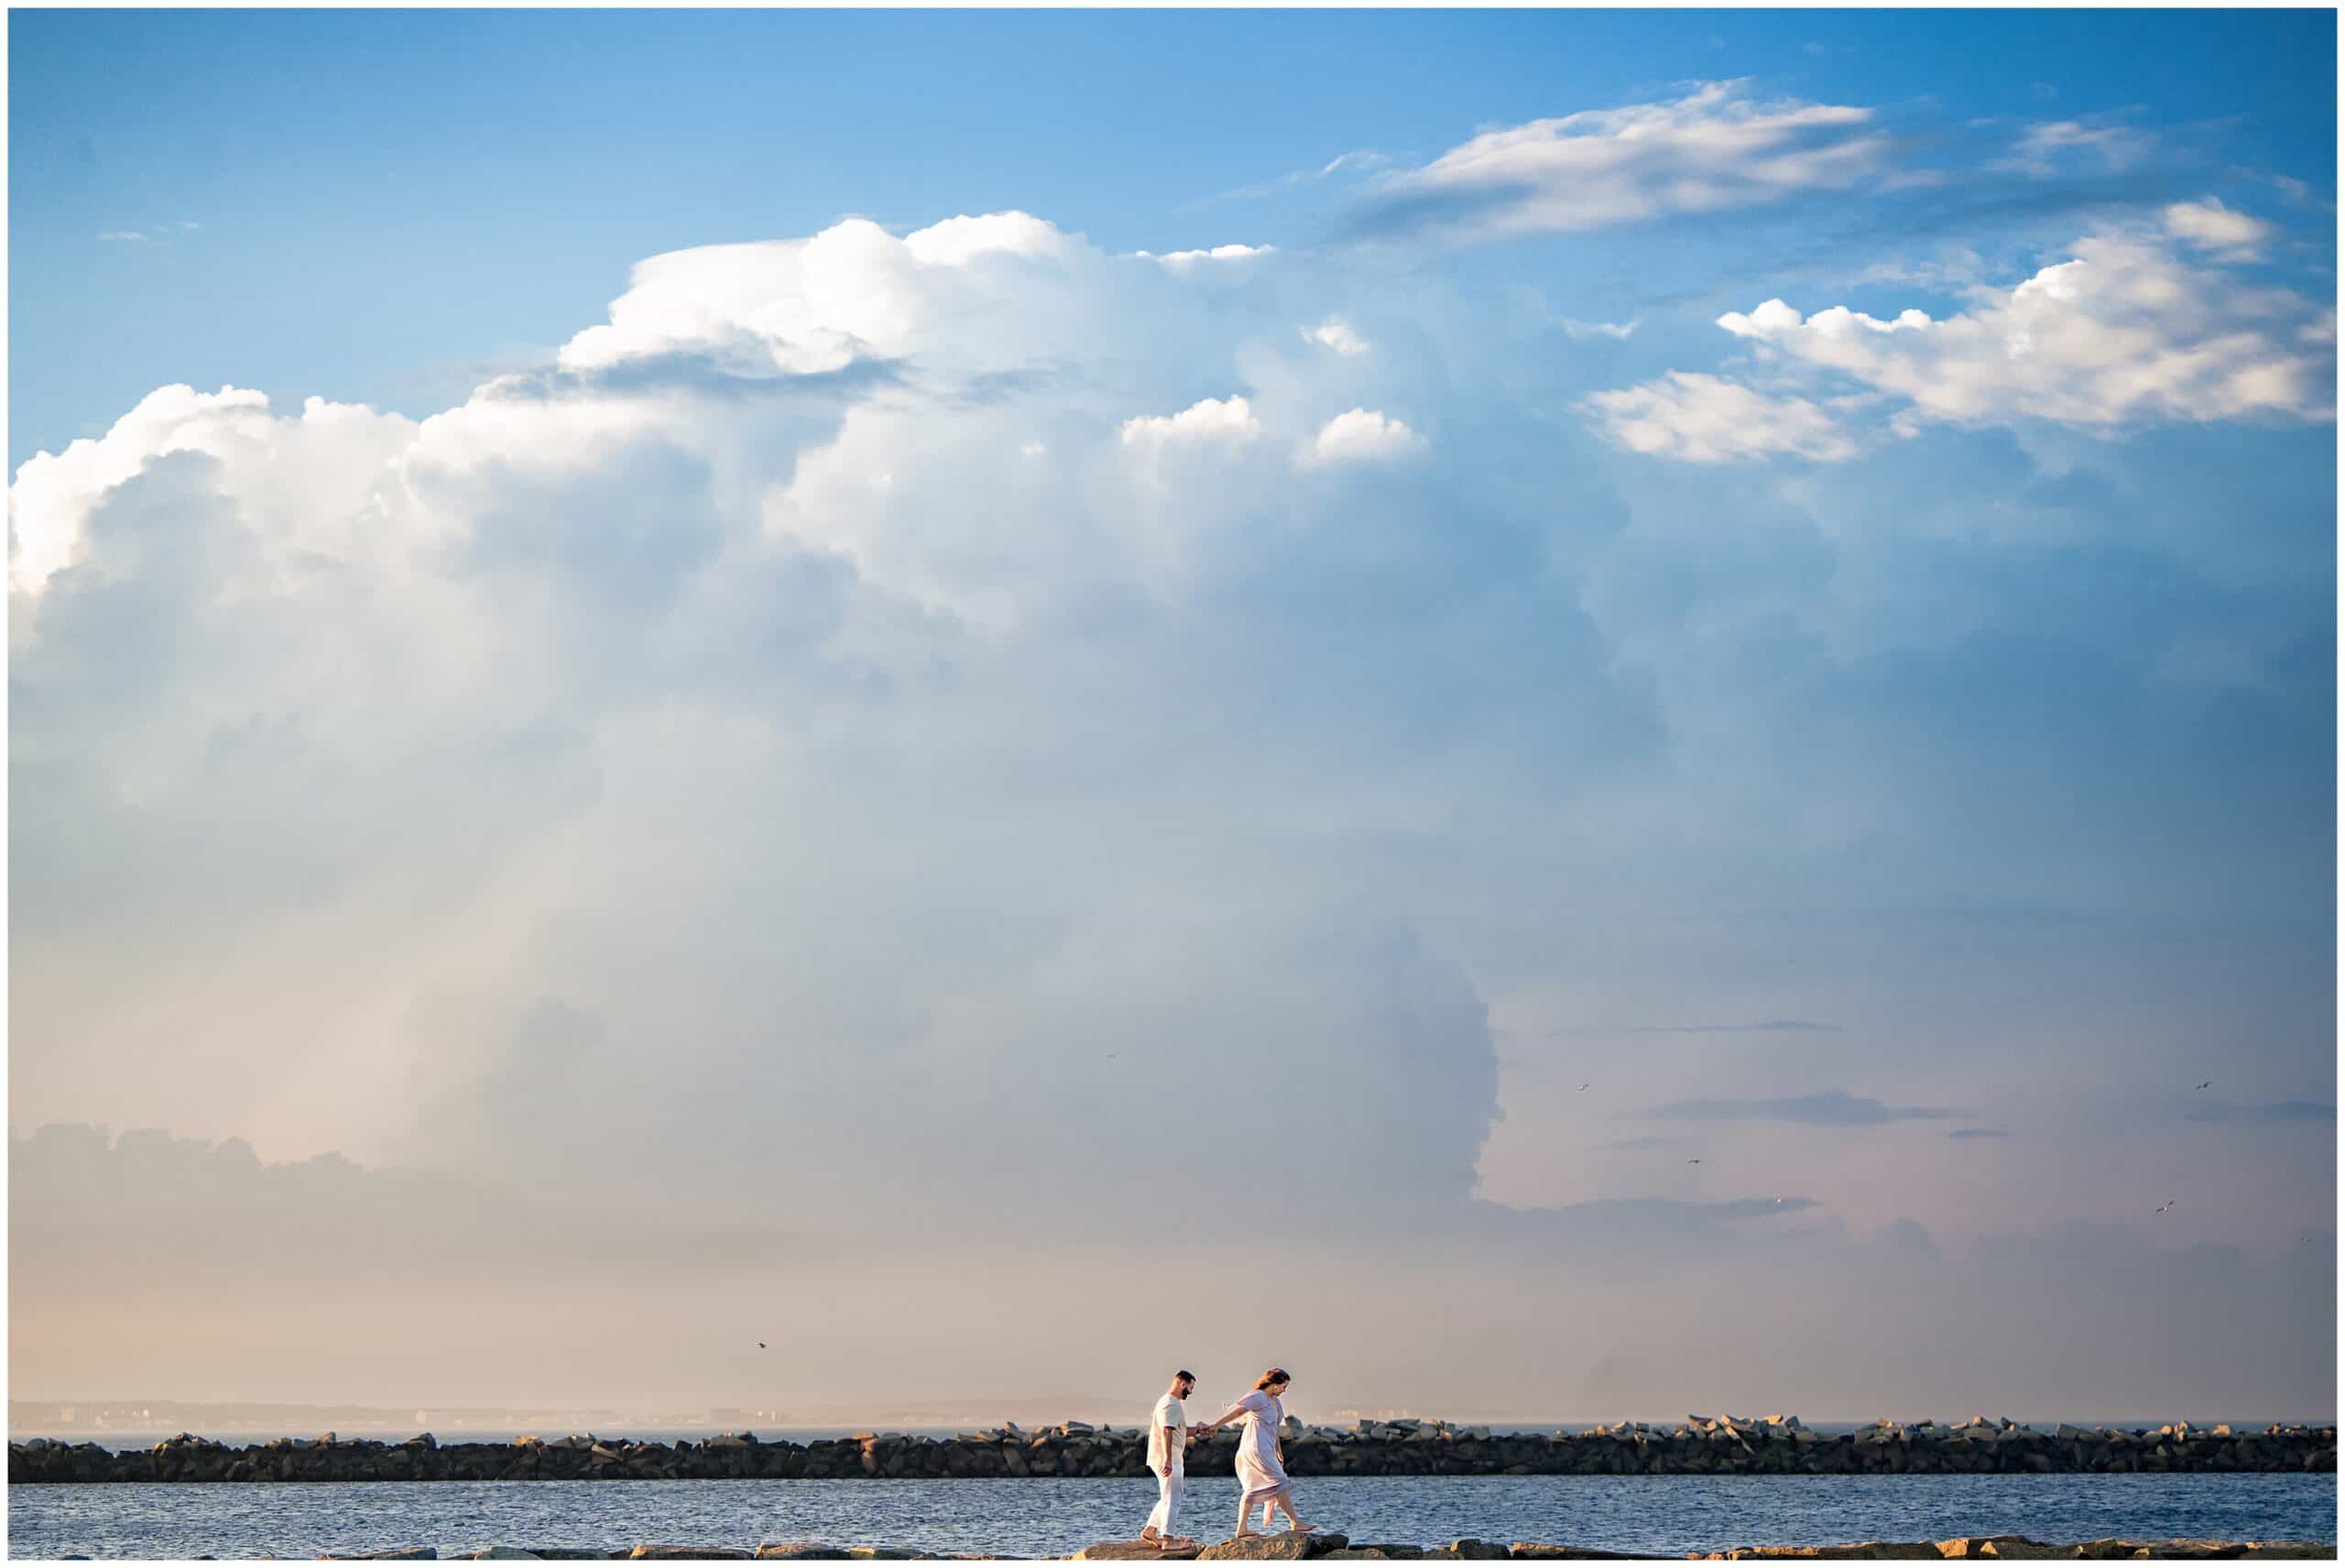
[1167, 1413]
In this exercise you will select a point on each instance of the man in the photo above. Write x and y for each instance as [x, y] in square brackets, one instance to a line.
[1168, 1443]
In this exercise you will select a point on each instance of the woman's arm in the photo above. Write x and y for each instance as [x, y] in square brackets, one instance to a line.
[1238, 1412]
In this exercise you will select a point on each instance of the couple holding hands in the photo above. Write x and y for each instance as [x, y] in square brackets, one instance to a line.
[1262, 1462]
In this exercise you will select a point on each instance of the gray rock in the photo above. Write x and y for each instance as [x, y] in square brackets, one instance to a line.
[1135, 1552]
[1289, 1546]
[671, 1553]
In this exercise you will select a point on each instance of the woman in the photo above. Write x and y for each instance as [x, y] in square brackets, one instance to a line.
[1261, 1462]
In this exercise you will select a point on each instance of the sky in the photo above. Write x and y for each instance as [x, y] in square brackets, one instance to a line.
[1560, 716]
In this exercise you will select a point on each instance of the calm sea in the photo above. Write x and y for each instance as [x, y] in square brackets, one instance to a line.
[1660, 1514]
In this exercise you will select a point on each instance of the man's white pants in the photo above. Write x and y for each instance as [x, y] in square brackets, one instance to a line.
[1168, 1502]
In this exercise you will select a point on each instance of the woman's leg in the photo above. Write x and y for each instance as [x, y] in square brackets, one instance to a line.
[1285, 1500]
[1245, 1501]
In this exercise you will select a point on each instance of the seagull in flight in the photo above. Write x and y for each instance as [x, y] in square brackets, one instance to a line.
[761, 1345]
[2208, 1084]
[1692, 1162]
[2162, 1207]
[1583, 1088]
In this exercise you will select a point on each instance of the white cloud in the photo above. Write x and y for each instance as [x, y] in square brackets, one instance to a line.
[1715, 148]
[2054, 146]
[1618, 331]
[1362, 435]
[956, 242]
[728, 744]
[2122, 331]
[1773, 316]
[1359, 159]
[123, 236]
[2212, 226]
[1191, 263]
[1207, 419]
[401, 707]
[54, 493]
[1339, 335]
[1704, 418]
[816, 305]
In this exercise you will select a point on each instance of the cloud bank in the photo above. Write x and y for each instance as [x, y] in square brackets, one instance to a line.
[904, 752]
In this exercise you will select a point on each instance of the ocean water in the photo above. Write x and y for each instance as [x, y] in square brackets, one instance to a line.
[1658, 1515]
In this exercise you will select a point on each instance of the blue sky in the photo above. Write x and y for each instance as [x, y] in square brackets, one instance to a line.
[1612, 651]
[389, 199]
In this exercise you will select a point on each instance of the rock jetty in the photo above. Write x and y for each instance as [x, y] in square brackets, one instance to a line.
[1700, 1445]
[1295, 1546]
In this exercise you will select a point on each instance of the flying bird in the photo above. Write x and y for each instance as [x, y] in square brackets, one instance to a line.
[761, 1345]
[1692, 1162]
[2208, 1084]
[2162, 1207]
[1583, 1088]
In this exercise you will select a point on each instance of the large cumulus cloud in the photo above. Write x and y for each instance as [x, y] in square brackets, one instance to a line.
[701, 744]
[911, 746]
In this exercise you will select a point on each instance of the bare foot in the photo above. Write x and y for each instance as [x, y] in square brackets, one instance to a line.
[1248, 1535]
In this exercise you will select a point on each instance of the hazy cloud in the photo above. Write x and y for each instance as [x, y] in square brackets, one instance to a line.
[2053, 147]
[2311, 1111]
[1771, 1026]
[1834, 1107]
[1707, 418]
[1717, 148]
[2215, 228]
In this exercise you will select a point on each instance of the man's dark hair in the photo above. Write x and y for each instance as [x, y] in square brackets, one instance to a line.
[1191, 1377]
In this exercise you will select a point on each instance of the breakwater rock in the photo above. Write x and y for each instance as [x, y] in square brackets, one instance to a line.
[1774, 1445]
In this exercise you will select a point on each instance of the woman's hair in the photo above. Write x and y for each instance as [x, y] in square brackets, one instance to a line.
[1275, 1375]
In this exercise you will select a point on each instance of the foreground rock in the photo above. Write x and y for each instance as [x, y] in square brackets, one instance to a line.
[1135, 1552]
[2020, 1546]
[1289, 1546]
[1295, 1546]
[1707, 1445]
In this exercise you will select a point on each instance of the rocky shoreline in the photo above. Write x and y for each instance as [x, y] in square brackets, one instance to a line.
[1778, 1445]
[1295, 1546]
